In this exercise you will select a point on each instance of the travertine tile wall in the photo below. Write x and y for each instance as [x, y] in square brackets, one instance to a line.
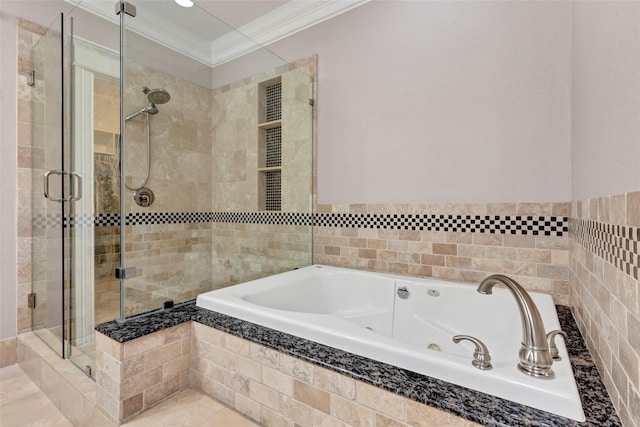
[173, 260]
[297, 155]
[106, 286]
[235, 146]
[33, 242]
[182, 126]
[537, 262]
[181, 141]
[243, 252]
[605, 292]
[136, 375]
[106, 116]
[8, 352]
[173, 263]
[202, 140]
[272, 388]
[278, 390]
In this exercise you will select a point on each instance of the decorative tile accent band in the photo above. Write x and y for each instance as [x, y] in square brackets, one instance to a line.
[617, 244]
[492, 224]
[275, 218]
[42, 221]
[147, 218]
[153, 218]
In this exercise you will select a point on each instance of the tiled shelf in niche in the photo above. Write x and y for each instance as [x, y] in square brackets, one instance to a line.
[270, 145]
[270, 107]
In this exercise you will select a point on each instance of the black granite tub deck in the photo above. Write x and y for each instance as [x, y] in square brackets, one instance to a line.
[470, 404]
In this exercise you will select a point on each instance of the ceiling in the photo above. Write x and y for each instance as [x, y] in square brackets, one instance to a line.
[238, 13]
[214, 32]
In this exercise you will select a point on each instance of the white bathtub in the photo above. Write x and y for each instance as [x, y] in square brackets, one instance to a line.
[360, 312]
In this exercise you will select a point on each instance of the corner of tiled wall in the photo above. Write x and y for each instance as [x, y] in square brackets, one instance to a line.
[135, 375]
[605, 292]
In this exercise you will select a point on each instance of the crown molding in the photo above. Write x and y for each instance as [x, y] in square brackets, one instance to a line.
[155, 27]
[278, 24]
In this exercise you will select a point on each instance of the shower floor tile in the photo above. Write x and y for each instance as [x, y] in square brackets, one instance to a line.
[23, 404]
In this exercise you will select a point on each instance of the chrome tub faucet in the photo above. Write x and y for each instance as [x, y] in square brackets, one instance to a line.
[535, 357]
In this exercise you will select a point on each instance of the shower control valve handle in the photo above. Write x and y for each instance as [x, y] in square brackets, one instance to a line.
[143, 197]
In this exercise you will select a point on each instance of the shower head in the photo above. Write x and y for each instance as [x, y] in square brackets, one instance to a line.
[157, 95]
[151, 108]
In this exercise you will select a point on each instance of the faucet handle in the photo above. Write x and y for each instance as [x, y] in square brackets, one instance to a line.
[481, 357]
[551, 342]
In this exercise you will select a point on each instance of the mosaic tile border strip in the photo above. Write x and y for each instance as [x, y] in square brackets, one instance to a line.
[41, 221]
[154, 218]
[616, 244]
[275, 218]
[491, 224]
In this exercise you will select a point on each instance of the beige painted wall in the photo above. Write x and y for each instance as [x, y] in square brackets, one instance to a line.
[605, 98]
[8, 189]
[433, 102]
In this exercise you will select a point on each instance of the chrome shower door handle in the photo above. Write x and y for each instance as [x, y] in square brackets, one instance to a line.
[47, 174]
[76, 189]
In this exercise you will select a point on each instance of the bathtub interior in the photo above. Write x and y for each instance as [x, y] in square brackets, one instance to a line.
[360, 298]
[437, 311]
[442, 311]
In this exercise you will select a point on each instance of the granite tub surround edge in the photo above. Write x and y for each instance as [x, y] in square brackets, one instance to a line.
[147, 323]
[470, 404]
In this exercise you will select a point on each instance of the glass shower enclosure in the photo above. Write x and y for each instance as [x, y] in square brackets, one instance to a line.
[62, 292]
[171, 155]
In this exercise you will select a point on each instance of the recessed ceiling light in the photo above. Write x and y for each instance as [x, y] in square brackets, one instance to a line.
[184, 3]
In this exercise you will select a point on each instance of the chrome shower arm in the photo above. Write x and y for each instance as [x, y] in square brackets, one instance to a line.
[136, 114]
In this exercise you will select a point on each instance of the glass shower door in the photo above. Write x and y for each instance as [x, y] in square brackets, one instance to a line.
[48, 298]
[57, 219]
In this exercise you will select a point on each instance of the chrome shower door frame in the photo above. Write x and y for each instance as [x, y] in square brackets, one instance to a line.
[52, 208]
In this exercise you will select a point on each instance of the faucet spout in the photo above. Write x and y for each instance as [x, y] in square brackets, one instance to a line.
[535, 359]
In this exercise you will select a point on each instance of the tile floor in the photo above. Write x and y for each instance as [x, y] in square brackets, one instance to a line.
[22, 404]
